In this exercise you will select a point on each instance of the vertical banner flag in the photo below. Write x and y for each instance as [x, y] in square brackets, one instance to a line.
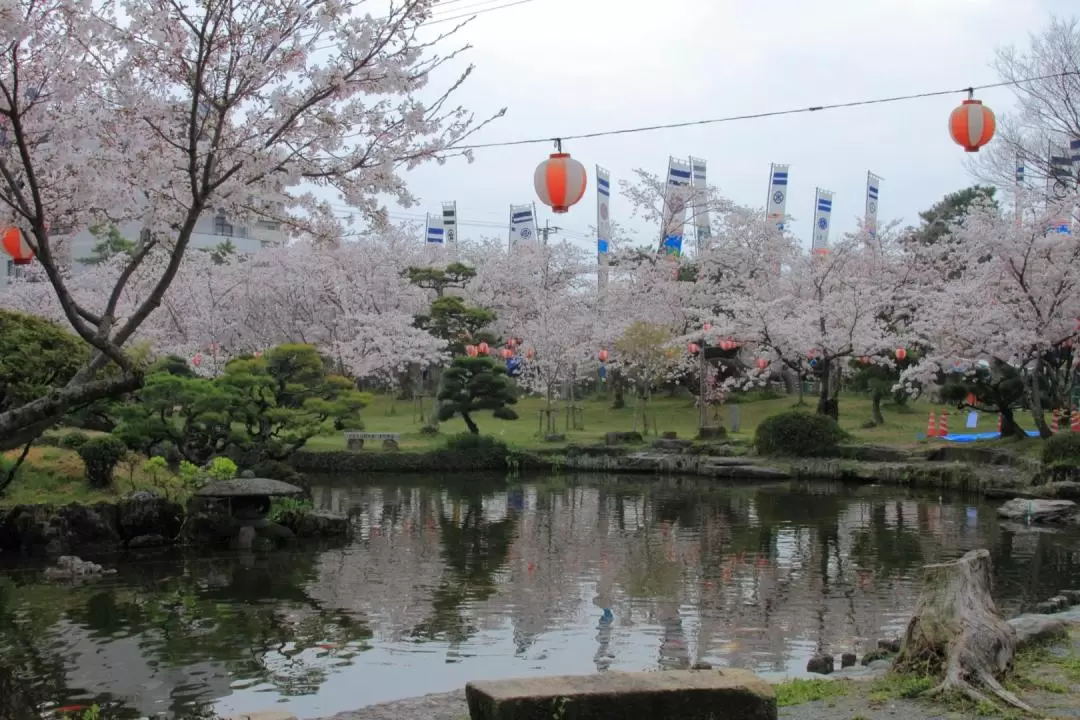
[1018, 190]
[1057, 185]
[873, 185]
[777, 203]
[449, 222]
[822, 219]
[435, 232]
[1074, 152]
[522, 224]
[702, 226]
[603, 224]
[678, 183]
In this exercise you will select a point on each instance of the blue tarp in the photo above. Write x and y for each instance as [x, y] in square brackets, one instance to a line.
[972, 437]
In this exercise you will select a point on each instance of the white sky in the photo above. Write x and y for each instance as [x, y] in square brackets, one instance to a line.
[564, 67]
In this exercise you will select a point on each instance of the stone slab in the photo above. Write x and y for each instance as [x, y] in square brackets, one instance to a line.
[685, 694]
[265, 715]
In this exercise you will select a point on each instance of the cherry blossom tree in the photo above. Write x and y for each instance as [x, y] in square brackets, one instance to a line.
[161, 114]
[1009, 304]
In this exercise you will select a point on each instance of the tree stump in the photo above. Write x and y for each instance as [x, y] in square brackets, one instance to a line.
[958, 633]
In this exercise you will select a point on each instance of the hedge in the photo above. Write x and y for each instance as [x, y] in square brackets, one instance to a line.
[434, 461]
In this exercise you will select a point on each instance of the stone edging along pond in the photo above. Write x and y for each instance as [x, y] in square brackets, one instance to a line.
[993, 472]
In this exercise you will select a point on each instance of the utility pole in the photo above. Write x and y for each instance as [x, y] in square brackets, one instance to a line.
[547, 230]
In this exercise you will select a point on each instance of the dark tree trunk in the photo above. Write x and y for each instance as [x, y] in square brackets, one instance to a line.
[618, 388]
[470, 424]
[1009, 426]
[827, 405]
[876, 397]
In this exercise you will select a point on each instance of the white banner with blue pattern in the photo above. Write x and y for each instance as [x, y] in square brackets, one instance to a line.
[435, 233]
[873, 188]
[822, 220]
[675, 197]
[776, 208]
[702, 225]
[449, 221]
[522, 224]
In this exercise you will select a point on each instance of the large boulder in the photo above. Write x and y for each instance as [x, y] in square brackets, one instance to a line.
[55, 530]
[144, 514]
[315, 523]
[209, 522]
[1042, 512]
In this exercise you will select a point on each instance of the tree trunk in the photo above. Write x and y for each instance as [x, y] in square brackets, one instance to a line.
[1036, 402]
[1009, 426]
[827, 405]
[876, 396]
[958, 633]
[618, 388]
[470, 424]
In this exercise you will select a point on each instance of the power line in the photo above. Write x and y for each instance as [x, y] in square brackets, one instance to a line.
[474, 14]
[767, 114]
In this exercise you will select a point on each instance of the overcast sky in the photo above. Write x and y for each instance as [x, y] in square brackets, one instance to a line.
[564, 67]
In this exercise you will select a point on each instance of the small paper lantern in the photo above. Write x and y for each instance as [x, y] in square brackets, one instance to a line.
[972, 124]
[864, 360]
[512, 342]
[483, 348]
[15, 245]
[707, 326]
[560, 181]
[471, 350]
[197, 360]
[762, 363]
[529, 354]
[506, 353]
[604, 356]
[901, 353]
[258, 353]
[693, 348]
[727, 345]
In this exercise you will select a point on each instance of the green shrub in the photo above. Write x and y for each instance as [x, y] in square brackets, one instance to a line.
[1063, 449]
[101, 455]
[468, 442]
[73, 440]
[222, 468]
[798, 434]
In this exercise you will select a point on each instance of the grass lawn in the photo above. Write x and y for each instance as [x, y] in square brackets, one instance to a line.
[902, 425]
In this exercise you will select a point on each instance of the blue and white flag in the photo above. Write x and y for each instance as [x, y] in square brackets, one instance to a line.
[873, 187]
[675, 197]
[435, 233]
[449, 221]
[522, 224]
[1074, 152]
[702, 225]
[1059, 182]
[603, 225]
[776, 207]
[822, 220]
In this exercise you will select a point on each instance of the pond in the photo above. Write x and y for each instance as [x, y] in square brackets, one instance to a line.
[443, 583]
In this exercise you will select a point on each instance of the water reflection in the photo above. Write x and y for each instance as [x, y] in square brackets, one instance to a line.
[446, 583]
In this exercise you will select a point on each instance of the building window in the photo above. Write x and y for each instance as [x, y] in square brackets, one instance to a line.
[222, 225]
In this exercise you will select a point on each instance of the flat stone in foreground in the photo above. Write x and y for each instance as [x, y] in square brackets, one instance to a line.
[684, 694]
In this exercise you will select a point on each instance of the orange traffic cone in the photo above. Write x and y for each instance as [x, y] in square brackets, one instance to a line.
[1000, 416]
[931, 429]
[943, 426]
[1055, 422]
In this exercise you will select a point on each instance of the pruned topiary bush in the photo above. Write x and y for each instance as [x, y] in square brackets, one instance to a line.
[799, 434]
[1062, 450]
[73, 440]
[101, 455]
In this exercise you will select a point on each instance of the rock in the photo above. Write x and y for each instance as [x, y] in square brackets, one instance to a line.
[1039, 511]
[265, 715]
[249, 487]
[56, 530]
[1060, 601]
[672, 444]
[669, 435]
[555, 437]
[1072, 595]
[1047, 607]
[622, 438]
[875, 656]
[701, 665]
[847, 659]
[1067, 490]
[142, 542]
[275, 532]
[683, 694]
[1032, 629]
[246, 474]
[390, 445]
[69, 567]
[209, 522]
[315, 523]
[821, 664]
[138, 516]
[711, 432]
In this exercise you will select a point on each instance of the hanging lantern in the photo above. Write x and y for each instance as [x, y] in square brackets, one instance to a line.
[506, 353]
[901, 353]
[471, 350]
[560, 180]
[512, 343]
[483, 348]
[15, 245]
[727, 345]
[972, 124]
[864, 360]
[258, 353]
[693, 348]
[529, 354]
[604, 355]
[197, 360]
[707, 326]
[762, 363]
